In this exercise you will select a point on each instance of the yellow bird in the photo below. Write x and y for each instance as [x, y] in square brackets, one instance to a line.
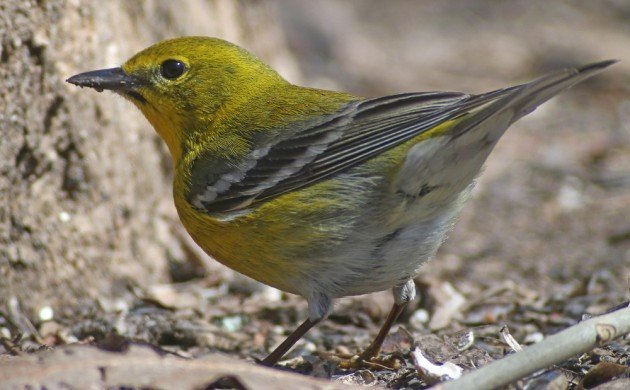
[318, 193]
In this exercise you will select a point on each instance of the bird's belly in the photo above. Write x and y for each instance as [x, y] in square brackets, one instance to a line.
[380, 256]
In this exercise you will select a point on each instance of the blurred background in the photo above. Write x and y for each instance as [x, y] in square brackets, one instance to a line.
[87, 211]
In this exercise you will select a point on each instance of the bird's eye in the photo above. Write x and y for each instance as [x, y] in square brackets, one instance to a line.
[172, 69]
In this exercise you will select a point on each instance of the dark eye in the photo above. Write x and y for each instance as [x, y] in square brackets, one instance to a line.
[172, 69]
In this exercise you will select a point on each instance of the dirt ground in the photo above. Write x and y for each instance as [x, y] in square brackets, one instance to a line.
[544, 242]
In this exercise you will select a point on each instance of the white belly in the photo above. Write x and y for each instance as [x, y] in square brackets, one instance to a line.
[408, 227]
[380, 256]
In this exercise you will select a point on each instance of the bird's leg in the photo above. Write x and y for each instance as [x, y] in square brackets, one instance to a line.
[283, 348]
[402, 296]
[319, 306]
[375, 347]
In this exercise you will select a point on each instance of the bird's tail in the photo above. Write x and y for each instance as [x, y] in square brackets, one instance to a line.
[464, 149]
[523, 99]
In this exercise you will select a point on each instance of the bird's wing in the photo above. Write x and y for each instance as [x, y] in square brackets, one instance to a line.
[362, 130]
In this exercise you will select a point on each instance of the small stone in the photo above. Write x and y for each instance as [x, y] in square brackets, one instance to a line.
[46, 313]
[534, 338]
[49, 328]
[232, 324]
[309, 347]
[418, 319]
[5, 333]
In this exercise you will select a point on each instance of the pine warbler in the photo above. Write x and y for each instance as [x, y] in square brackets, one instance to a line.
[317, 193]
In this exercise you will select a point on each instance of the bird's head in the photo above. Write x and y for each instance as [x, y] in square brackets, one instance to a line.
[185, 84]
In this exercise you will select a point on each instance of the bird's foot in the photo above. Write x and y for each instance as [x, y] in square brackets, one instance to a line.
[363, 360]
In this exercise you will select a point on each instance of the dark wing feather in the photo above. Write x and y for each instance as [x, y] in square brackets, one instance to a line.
[356, 133]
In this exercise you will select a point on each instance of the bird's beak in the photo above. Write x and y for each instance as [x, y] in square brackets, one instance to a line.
[113, 79]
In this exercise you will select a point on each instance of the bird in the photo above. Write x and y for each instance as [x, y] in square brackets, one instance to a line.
[318, 193]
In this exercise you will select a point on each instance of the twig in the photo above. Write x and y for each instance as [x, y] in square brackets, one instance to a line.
[10, 345]
[87, 367]
[18, 319]
[577, 339]
[509, 339]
